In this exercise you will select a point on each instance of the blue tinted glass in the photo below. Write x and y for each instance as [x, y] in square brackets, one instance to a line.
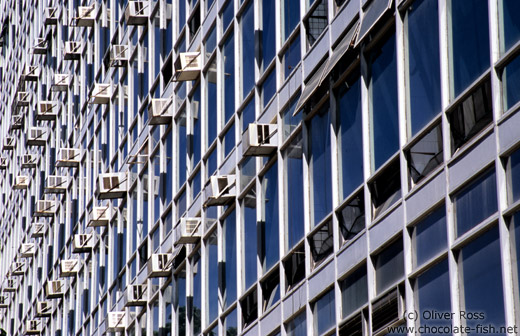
[430, 236]
[292, 56]
[297, 326]
[389, 266]
[227, 14]
[155, 185]
[212, 111]
[291, 17]
[511, 82]
[167, 38]
[250, 239]
[229, 78]
[157, 54]
[248, 49]
[433, 295]
[349, 114]
[516, 219]
[197, 295]
[211, 41]
[248, 115]
[325, 312]
[515, 176]
[212, 163]
[482, 280]
[384, 126]
[269, 87]
[270, 232]
[476, 202]
[208, 4]
[424, 64]
[182, 14]
[268, 31]
[231, 323]
[320, 157]
[229, 140]
[197, 135]
[180, 289]
[290, 122]
[354, 291]
[213, 269]
[168, 181]
[181, 151]
[196, 185]
[230, 263]
[294, 177]
[181, 207]
[470, 38]
[511, 24]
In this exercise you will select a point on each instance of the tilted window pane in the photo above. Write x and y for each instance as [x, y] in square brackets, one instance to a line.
[425, 155]
[290, 122]
[352, 217]
[430, 236]
[385, 190]
[294, 182]
[354, 291]
[476, 202]
[511, 83]
[212, 282]
[316, 22]
[271, 290]
[229, 278]
[248, 50]
[197, 294]
[322, 243]
[324, 312]
[250, 242]
[269, 227]
[228, 55]
[249, 308]
[295, 267]
[389, 265]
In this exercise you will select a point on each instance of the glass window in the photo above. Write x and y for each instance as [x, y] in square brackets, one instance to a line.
[212, 283]
[476, 202]
[383, 100]
[352, 217]
[389, 265]
[510, 26]
[248, 115]
[386, 188]
[196, 138]
[510, 82]
[227, 14]
[433, 295]
[250, 242]
[290, 122]
[249, 308]
[180, 303]
[320, 159]
[269, 226]
[322, 243]
[212, 107]
[271, 290]
[268, 31]
[297, 326]
[423, 63]
[316, 22]
[425, 155]
[231, 324]
[181, 149]
[248, 49]
[350, 133]
[229, 140]
[482, 279]
[430, 236]
[294, 267]
[294, 185]
[269, 88]
[228, 55]
[211, 41]
[469, 42]
[182, 14]
[324, 313]
[514, 176]
[230, 263]
[197, 294]
[291, 17]
[291, 57]
[168, 180]
[354, 291]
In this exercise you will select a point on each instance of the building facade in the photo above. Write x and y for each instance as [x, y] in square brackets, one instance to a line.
[317, 167]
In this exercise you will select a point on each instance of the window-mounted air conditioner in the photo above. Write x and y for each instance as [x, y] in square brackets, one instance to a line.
[61, 82]
[387, 310]
[135, 295]
[119, 55]
[33, 327]
[29, 160]
[21, 182]
[4, 301]
[188, 66]
[112, 185]
[51, 16]
[31, 73]
[18, 268]
[86, 16]
[101, 94]
[188, 231]
[37, 136]
[72, 50]
[116, 321]
[260, 139]
[45, 208]
[159, 265]
[38, 230]
[56, 184]
[136, 13]
[11, 285]
[9, 142]
[40, 46]
[16, 122]
[43, 308]
[68, 157]
[223, 190]
[55, 289]
[69, 267]
[160, 111]
[22, 98]
[83, 242]
[99, 216]
[28, 250]
[47, 110]
[3, 162]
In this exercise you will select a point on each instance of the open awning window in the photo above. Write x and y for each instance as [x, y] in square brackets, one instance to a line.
[373, 14]
[346, 43]
[311, 86]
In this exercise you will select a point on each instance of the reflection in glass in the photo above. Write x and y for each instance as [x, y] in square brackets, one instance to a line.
[293, 173]
[228, 55]
[229, 277]
[389, 265]
[354, 291]
[511, 80]
[352, 217]
[248, 50]
[324, 312]
[430, 236]
[297, 326]
[250, 242]
[269, 226]
[425, 155]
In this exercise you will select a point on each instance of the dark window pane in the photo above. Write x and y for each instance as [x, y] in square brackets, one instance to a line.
[430, 236]
[231, 324]
[352, 217]
[248, 50]
[354, 291]
[271, 290]
[248, 115]
[324, 312]
[227, 14]
[269, 88]
[212, 110]
[228, 55]
[511, 82]
[322, 243]
[249, 308]
[229, 140]
[291, 57]
[389, 265]
[230, 264]
[295, 267]
[511, 24]
[297, 326]
[291, 17]
[514, 172]
[213, 269]
[425, 155]
[269, 229]
[386, 188]
[197, 294]
[268, 32]
[250, 248]
[294, 180]
[316, 22]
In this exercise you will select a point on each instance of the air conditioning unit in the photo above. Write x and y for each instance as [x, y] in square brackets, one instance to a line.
[11, 285]
[31, 73]
[38, 230]
[68, 157]
[387, 310]
[51, 16]
[29, 160]
[4, 301]
[45, 208]
[72, 50]
[33, 327]
[99, 216]
[83, 242]
[159, 265]
[18, 268]
[43, 309]
[28, 250]
[21, 182]
[188, 66]
[223, 190]
[3, 162]
[55, 289]
[16, 122]
[188, 231]
[69, 267]
[159, 111]
[47, 110]
[61, 82]
[40, 46]
[101, 94]
[135, 295]
[112, 185]
[136, 13]
[22, 98]
[9, 142]
[260, 139]
[56, 184]
[37, 136]
[86, 16]
[119, 55]
[116, 321]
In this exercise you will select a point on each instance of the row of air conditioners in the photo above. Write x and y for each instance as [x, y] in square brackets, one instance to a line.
[44, 308]
[160, 265]
[8, 142]
[50, 16]
[112, 185]
[137, 13]
[11, 285]
[40, 46]
[135, 295]
[101, 94]
[69, 267]
[68, 157]
[188, 231]
[100, 216]
[18, 268]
